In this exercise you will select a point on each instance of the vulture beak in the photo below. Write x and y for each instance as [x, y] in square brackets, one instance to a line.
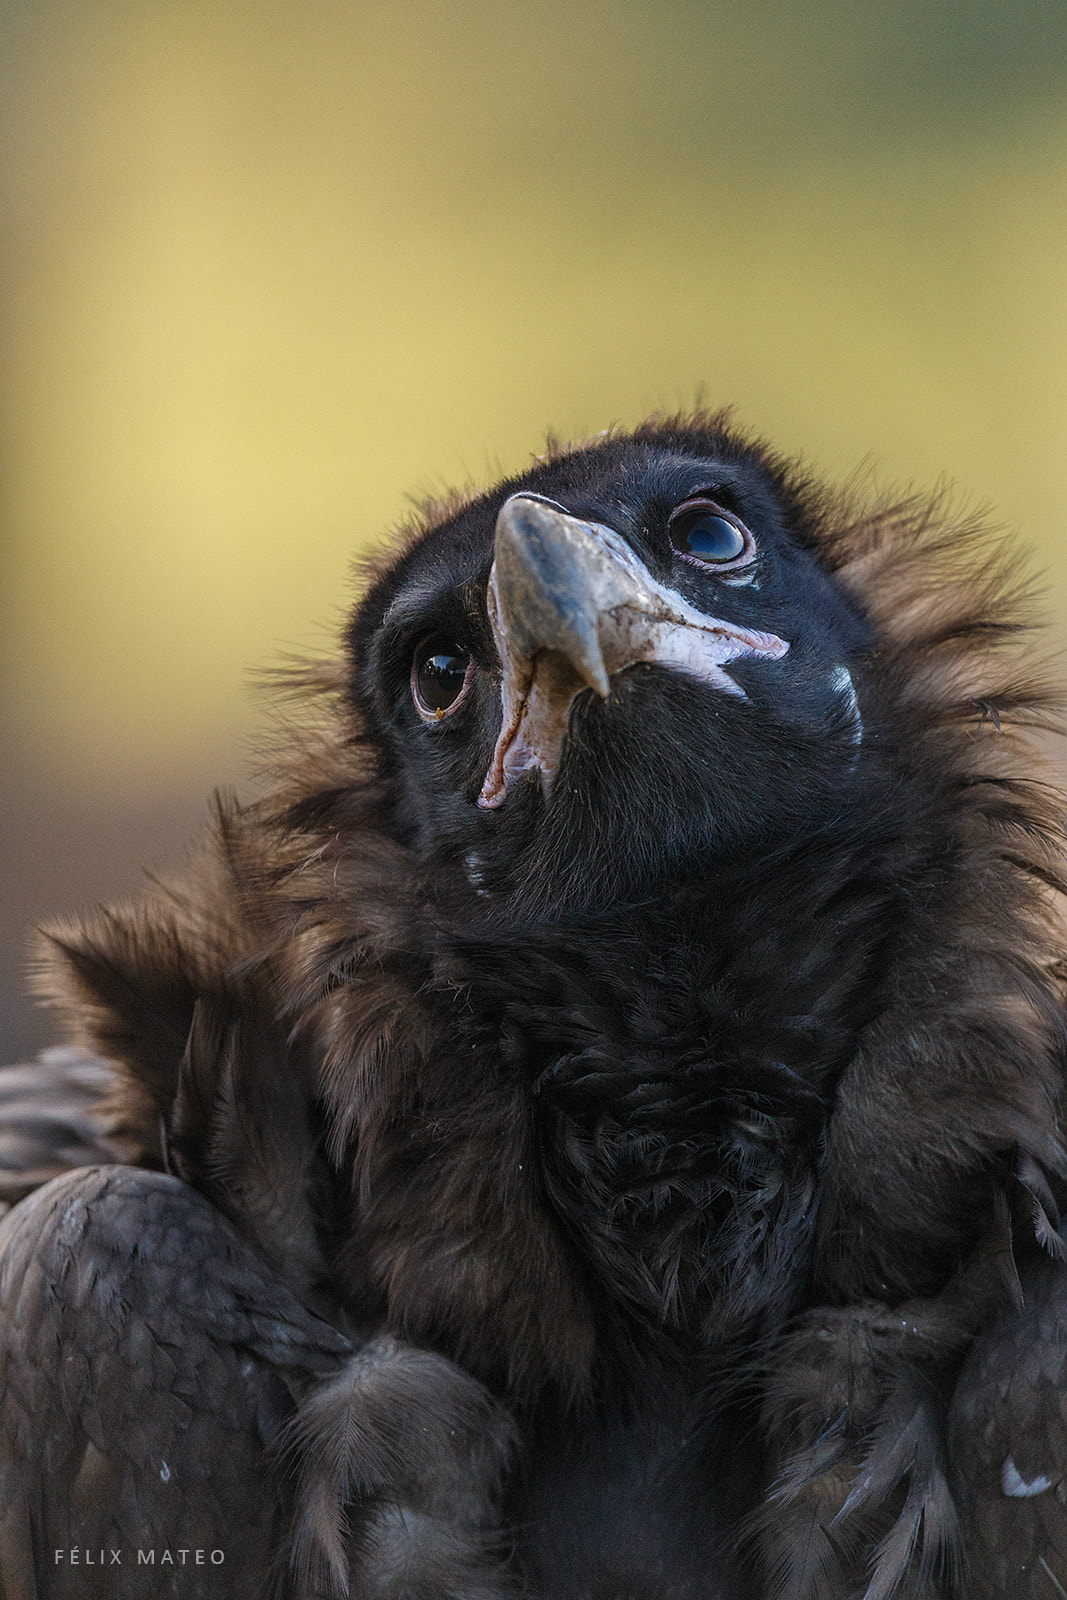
[571, 605]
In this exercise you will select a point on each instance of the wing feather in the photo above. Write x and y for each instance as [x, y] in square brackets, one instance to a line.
[148, 1360]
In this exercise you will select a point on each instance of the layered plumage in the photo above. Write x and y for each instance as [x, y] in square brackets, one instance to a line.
[628, 1030]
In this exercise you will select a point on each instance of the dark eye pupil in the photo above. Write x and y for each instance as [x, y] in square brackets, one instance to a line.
[706, 536]
[440, 674]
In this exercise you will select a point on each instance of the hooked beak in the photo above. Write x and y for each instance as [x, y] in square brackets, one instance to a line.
[570, 605]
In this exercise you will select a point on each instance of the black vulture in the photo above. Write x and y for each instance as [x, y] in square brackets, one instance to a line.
[589, 1129]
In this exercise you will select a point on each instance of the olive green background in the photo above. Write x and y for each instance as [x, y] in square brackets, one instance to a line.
[269, 268]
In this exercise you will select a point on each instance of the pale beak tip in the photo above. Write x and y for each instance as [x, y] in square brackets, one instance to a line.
[598, 680]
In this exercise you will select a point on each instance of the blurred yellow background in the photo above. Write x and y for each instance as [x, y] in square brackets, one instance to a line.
[269, 268]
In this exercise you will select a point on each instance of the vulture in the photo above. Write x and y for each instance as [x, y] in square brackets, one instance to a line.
[588, 1128]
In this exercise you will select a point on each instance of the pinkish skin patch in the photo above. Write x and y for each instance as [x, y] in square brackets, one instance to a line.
[535, 715]
[494, 789]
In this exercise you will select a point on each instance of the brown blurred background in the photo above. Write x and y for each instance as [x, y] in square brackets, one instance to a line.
[268, 267]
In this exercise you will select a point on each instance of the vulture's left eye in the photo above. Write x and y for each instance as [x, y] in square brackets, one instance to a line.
[706, 533]
[440, 674]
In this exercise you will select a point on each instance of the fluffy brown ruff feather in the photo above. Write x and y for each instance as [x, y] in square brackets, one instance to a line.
[307, 921]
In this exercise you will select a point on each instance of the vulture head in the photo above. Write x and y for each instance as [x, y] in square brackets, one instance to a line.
[630, 659]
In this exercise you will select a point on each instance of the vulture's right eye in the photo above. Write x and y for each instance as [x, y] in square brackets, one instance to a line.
[440, 674]
[706, 533]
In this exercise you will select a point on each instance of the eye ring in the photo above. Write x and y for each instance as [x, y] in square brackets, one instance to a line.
[436, 687]
[699, 528]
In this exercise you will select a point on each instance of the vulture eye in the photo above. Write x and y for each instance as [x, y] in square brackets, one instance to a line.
[706, 533]
[440, 674]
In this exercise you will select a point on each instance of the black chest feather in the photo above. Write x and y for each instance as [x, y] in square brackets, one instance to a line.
[677, 1071]
[638, 1498]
